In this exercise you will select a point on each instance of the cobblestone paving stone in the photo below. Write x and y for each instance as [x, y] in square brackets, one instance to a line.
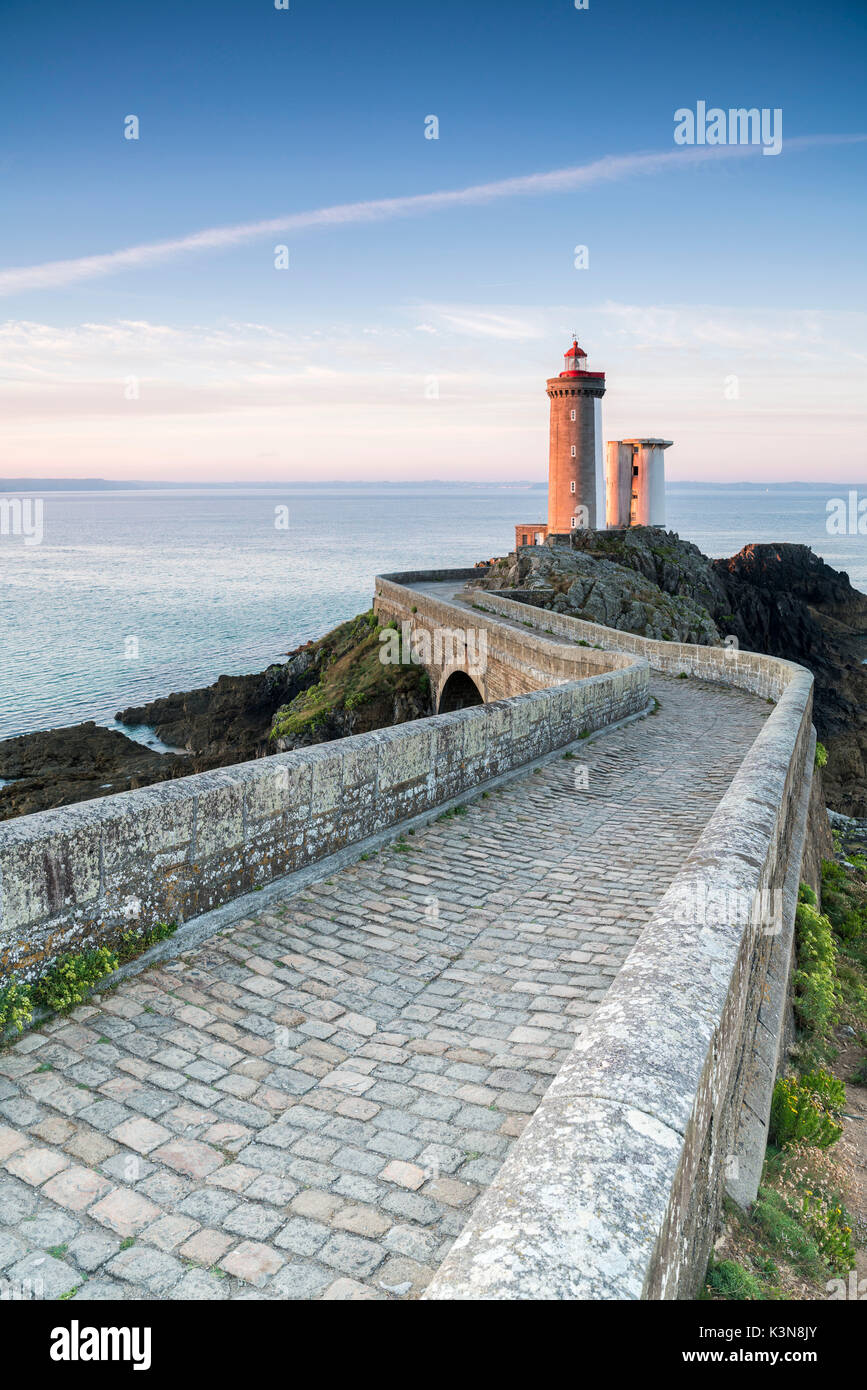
[307, 1105]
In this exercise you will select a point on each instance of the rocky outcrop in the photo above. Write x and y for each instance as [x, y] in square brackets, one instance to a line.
[589, 586]
[353, 691]
[60, 766]
[779, 599]
[786, 601]
[228, 721]
[381, 713]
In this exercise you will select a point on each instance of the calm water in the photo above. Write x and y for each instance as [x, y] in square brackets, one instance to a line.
[204, 583]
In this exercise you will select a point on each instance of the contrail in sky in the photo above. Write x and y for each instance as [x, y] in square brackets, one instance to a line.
[609, 169]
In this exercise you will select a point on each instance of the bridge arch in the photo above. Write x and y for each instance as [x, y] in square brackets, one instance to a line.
[458, 691]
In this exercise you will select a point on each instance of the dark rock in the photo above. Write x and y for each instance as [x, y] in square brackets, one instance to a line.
[229, 720]
[59, 766]
[786, 601]
[622, 593]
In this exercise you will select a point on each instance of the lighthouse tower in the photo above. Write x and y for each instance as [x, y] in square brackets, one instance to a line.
[576, 483]
[580, 496]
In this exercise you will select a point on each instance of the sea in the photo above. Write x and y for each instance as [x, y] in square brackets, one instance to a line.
[130, 595]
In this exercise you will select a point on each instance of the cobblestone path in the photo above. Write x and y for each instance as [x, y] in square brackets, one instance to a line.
[308, 1104]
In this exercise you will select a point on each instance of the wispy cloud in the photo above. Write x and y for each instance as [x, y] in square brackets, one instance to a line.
[793, 339]
[482, 323]
[610, 168]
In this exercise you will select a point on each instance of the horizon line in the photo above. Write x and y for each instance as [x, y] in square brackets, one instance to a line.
[155, 484]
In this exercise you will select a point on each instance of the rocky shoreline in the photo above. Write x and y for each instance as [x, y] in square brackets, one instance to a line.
[780, 599]
[236, 719]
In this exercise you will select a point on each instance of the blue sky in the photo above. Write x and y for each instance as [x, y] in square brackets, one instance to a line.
[724, 298]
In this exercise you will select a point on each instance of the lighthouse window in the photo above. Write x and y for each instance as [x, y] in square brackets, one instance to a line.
[574, 452]
[635, 470]
[574, 415]
[572, 486]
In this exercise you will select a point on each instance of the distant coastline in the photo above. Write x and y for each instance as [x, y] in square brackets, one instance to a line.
[25, 485]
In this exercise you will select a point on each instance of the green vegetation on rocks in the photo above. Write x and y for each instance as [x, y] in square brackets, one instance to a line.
[805, 1110]
[816, 990]
[69, 979]
[728, 1279]
[138, 939]
[844, 898]
[356, 691]
[797, 1236]
[16, 1006]
[66, 983]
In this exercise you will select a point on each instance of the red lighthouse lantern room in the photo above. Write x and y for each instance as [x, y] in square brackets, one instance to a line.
[575, 360]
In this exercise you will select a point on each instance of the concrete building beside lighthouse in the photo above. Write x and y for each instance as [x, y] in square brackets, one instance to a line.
[587, 491]
[635, 482]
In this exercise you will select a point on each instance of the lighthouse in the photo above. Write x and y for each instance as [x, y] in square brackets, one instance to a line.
[585, 492]
[576, 484]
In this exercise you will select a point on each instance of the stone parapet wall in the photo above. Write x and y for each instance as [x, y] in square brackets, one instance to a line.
[752, 671]
[613, 1189]
[79, 875]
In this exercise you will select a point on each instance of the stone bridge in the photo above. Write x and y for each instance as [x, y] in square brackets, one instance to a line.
[488, 1005]
[472, 657]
